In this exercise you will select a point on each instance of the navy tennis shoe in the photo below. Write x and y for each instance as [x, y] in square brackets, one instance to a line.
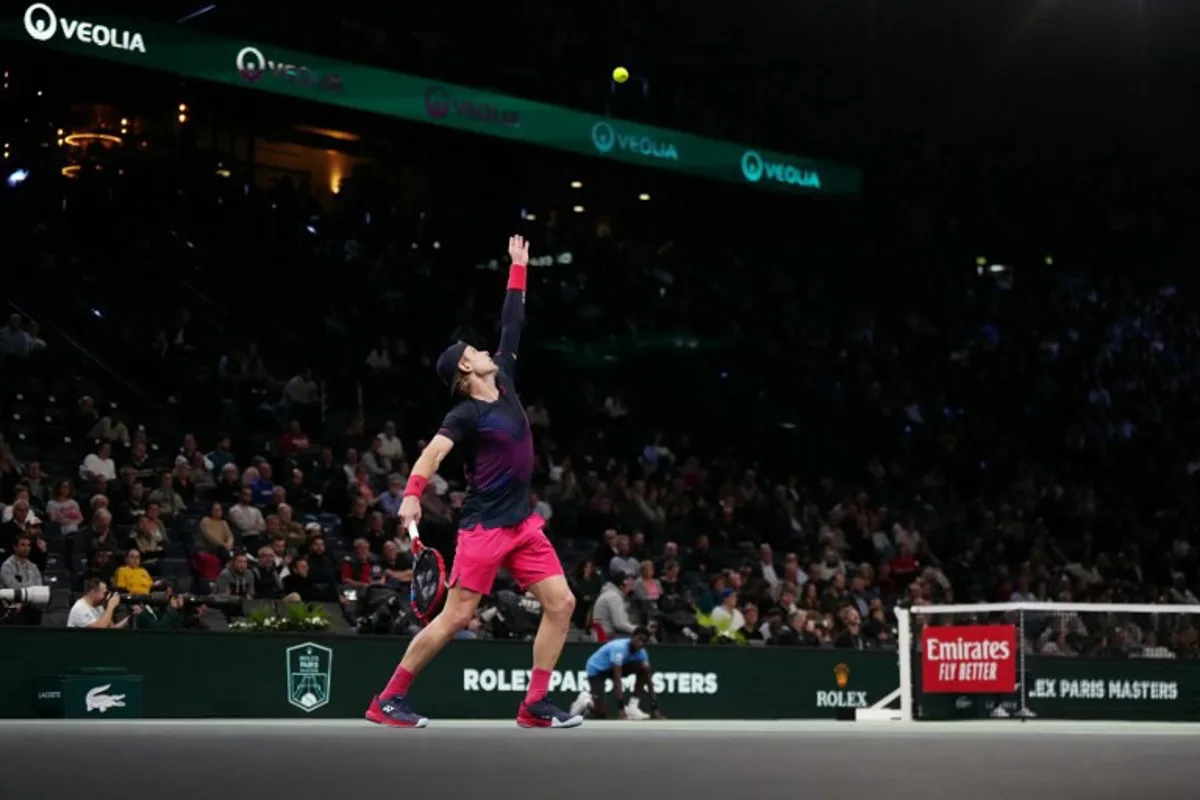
[544, 714]
[395, 713]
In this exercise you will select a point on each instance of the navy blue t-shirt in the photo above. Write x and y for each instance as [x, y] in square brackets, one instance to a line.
[495, 439]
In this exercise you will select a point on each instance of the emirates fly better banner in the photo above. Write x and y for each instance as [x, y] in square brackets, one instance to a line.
[969, 659]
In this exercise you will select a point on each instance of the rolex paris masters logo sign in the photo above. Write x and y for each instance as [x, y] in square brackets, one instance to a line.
[42, 24]
[309, 676]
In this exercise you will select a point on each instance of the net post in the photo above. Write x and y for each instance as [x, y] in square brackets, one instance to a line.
[905, 641]
[1024, 713]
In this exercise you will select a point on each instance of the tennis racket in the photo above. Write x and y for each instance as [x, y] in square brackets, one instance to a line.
[427, 591]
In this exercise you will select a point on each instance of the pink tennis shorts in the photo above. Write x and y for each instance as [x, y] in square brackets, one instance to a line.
[522, 549]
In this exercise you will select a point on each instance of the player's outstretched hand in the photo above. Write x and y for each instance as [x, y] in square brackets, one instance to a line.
[518, 249]
[410, 511]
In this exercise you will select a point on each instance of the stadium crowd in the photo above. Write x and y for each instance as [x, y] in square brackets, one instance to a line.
[1023, 433]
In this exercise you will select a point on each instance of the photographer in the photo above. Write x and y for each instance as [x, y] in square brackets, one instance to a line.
[95, 609]
[173, 616]
[19, 572]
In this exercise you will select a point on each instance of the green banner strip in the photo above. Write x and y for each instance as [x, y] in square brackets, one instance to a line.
[184, 51]
[282, 675]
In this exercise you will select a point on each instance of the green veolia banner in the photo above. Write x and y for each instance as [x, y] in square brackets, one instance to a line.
[185, 51]
[197, 674]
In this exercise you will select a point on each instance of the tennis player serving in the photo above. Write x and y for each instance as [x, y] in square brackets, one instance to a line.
[497, 528]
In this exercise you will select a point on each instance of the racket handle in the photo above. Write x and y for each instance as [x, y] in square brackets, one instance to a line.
[415, 536]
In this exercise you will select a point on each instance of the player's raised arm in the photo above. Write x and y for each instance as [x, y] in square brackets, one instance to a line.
[426, 467]
[512, 317]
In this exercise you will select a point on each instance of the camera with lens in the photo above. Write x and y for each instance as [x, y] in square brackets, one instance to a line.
[188, 603]
[31, 595]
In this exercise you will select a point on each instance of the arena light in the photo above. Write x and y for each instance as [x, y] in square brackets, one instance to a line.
[76, 139]
[71, 171]
[578, 209]
[643, 197]
[576, 184]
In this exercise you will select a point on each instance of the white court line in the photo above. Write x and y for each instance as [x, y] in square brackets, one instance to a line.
[983, 728]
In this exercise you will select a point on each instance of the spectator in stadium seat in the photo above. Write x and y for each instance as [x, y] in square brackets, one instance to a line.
[361, 569]
[390, 446]
[647, 588]
[183, 484]
[322, 566]
[355, 525]
[299, 584]
[222, 456]
[751, 630]
[202, 478]
[727, 617]
[131, 576]
[99, 465]
[97, 535]
[302, 396]
[170, 504]
[379, 360]
[278, 498]
[268, 578]
[611, 612]
[37, 485]
[701, 558]
[86, 423]
[261, 485]
[216, 534]
[63, 510]
[293, 531]
[298, 496]
[236, 579]
[378, 465]
[245, 517]
[140, 463]
[623, 562]
[396, 566]
[19, 572]
[376, 534]
[229, 488]
[363, 486]
[150, 538]
[294, 440]
[389, 501]
[26, 514]
[133, 508]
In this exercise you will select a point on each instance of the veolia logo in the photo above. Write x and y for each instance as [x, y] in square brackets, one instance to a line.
[437, 102]
[605, 137]
[42, 24]
[755, 168]
[252, 65]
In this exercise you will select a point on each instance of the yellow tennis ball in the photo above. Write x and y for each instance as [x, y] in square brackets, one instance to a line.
[620, 74]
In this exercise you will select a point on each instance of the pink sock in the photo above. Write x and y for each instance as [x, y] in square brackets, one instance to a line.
[398, 685]
[539, 684]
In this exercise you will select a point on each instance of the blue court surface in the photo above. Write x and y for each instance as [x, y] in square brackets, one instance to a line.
[296, 760]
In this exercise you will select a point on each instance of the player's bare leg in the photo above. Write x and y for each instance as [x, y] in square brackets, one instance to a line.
[391, 707]
[456, 615]
[558, 604]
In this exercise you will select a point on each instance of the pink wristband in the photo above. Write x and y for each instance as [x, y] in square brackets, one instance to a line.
[516, 277]
[416, 486]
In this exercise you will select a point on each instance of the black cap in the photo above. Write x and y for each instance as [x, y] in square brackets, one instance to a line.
[447, 364]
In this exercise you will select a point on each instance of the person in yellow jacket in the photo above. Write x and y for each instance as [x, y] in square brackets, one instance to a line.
[131, 576]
